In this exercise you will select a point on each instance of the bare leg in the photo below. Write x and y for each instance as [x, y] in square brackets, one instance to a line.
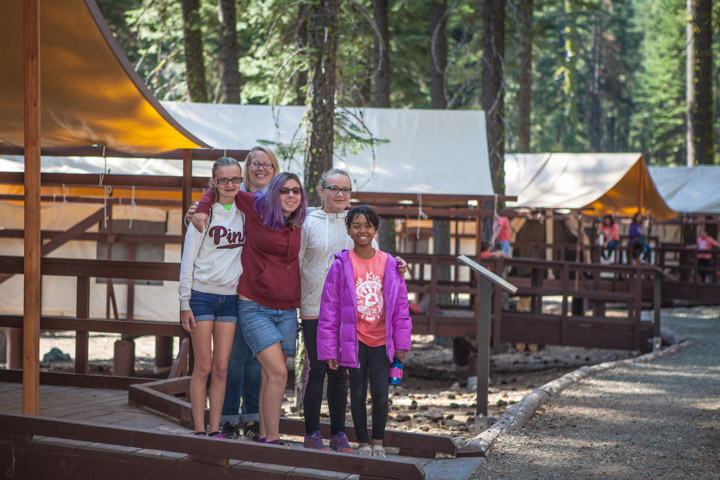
[201, 340]
[223, 336]
[272, 390]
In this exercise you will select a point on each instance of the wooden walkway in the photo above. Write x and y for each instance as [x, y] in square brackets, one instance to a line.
[109, 408]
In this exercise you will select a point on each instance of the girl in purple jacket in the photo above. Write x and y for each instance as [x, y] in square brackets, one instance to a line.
[364, 323]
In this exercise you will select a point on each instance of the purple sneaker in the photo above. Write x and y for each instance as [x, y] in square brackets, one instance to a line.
[314, 441]
[217, 435]
[339, 443]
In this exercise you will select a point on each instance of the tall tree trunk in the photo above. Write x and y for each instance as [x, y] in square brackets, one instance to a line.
[525, 92]
[438, 53]
[570, 76]
[301, 42]
[701, 148]
[320, 103]
[229, 52]
[381, 98]
[595, 125]
[194, 60]
[493, 90]
[438, 64]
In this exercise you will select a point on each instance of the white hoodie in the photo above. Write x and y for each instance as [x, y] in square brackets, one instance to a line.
[211, 259]
[323, 235]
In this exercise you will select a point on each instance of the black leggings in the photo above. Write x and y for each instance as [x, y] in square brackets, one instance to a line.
[374, 366]
[336, 391]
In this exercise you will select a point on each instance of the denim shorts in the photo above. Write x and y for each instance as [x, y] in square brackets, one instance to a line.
[264, 327]
[208, 306]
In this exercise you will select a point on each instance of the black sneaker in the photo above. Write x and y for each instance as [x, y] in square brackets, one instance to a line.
[231, 431]
[252, 431]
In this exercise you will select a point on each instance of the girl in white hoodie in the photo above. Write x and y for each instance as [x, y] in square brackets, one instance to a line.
[209, 273]
[324, 234]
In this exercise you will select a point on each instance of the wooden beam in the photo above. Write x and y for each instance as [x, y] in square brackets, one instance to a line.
[82, 310]
[77, 380]
[32, 143]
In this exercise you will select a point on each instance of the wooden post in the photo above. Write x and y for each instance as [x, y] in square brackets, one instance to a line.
[32, 276]
[82, 310]
[484, 294]
[186, 186]
[15, 348]
[657, 304]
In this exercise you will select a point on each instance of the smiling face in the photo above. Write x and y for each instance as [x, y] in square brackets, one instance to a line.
[258, 172]
[336, 202]
[228, 191]
[290, 196]
[361, 231]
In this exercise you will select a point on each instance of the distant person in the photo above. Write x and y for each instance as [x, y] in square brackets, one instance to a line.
[610, 236]
[487, 251]
[501, 234]
[364, 324]
[209, 273]
[705, 243]
[637, 240]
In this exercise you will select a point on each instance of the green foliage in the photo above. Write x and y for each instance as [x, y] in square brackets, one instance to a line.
[642, 64]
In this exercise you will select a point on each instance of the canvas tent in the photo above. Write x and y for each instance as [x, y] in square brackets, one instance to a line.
[689, 189]
[599, 183]
[428, 151]
[89, 92]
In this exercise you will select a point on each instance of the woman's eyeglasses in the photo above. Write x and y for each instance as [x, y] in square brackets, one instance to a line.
[285, 191]
[265, 165]
[335, 189]
[225, 180]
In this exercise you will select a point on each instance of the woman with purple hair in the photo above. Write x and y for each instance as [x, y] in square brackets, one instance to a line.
[269, 289]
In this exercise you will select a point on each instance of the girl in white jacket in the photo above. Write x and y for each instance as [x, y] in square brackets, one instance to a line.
[209, 273]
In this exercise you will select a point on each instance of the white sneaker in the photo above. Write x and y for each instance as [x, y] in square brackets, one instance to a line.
[365, 451]
[378, 451]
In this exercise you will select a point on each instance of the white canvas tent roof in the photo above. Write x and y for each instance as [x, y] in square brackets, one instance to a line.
[429, 151]
[603, 182]
[689, 189]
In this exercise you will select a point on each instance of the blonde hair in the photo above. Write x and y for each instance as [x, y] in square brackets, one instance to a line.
[271, 155]
[324, 178]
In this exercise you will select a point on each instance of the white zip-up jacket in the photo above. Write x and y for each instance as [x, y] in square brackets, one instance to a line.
[323, 235]
[211, 260]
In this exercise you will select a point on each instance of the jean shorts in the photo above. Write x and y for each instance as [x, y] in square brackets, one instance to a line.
[208, 306]
[264, 327]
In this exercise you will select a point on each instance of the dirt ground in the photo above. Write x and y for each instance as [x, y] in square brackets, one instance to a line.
[433, 399]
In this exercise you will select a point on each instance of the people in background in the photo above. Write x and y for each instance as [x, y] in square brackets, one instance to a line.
[209, 273]
[637, 241]
[705, 243]
[501, 234]
[610, 236]
[269, 290]
[486, 251]
[364, 324]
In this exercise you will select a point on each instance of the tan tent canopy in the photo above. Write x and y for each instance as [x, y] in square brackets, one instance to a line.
[617, 183]
[90, 94]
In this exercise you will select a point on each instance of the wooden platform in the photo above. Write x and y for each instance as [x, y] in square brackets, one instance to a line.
[93, 431]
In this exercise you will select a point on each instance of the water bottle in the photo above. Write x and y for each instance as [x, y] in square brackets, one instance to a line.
[396, 371]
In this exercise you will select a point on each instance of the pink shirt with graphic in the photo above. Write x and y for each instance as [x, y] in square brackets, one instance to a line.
[706, 243]
[369, 276]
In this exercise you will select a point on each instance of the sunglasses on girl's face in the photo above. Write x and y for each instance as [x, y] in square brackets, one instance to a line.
[285, 191]
[225, 180]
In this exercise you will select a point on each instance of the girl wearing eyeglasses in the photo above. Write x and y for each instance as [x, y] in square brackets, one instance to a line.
[208, 296]
[269, 289]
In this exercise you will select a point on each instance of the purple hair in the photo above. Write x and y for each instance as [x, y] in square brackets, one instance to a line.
[267, 203]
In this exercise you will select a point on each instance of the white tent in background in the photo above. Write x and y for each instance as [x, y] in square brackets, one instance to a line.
[689, 189]
[600, 182]
[428, 151]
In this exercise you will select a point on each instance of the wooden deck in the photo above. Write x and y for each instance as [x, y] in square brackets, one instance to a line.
[109, 437]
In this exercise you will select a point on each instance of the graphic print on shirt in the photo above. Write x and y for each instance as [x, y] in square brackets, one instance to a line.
[233, 239]
[369, 297]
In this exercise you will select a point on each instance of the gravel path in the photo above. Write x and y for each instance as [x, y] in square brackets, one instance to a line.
[656, 420]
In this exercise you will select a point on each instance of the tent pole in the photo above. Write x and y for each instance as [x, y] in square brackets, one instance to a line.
[32, 278]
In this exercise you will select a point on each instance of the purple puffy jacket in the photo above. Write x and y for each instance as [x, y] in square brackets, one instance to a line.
[337, 324]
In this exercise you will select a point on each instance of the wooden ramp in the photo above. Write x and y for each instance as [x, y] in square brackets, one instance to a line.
[83, 431]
